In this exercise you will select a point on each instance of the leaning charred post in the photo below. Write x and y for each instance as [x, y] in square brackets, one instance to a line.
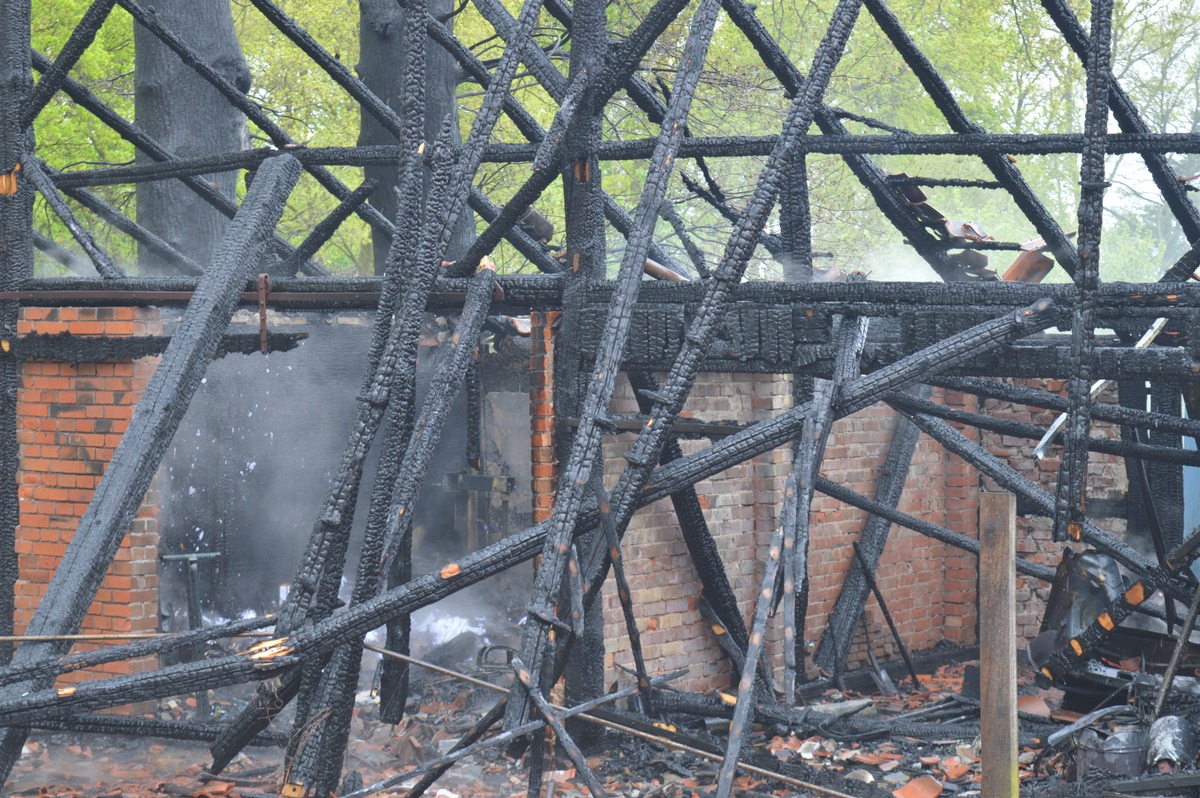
[159, 412]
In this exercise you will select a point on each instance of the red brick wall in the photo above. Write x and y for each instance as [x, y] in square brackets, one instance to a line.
[740, 506]
[70, 420]
[544, 465]
[930, 587]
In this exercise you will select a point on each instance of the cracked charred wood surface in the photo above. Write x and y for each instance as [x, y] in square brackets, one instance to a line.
[835, 643]
[150, 727]
[318, 760]
[849, 335]
[448, 199]
[332, 526]
[16, 266]
[401, 412]
[856, 395]
[1071, 494]
[158, 414]
[584, 259]
[585, 446]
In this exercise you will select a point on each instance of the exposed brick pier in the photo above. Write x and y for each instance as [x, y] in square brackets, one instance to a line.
[70, 420]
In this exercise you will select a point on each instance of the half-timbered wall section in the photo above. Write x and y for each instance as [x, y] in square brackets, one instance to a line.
[813, 443]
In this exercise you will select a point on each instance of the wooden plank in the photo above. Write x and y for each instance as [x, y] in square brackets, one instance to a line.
[998, 644]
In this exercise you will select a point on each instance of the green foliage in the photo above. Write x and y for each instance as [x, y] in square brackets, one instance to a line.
[1005, 63]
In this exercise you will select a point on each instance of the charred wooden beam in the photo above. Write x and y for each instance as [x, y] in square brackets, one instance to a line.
[100, 259]
[856, 395]
[1004, 170]
[1129, 120]
[121, 222]
[267, 662]
[389, 532]
[325, 229]
[56, 666]
[314, 588]
[683, 429]
[928, 529]
[697, 147]
[80, 39]
[624, 595]
[150, 727]
[795, 220]
[78, 265]
[1033, 397]
[542, 292]
[158, 414]
[94, 348]
[1118, 447]
[850, 336]
[1072, 474]
[706, 558]
[320, 574]
[835, 642]
[743, 712]
[556, 86]
[586, 444]
[1008, 478]
[16, 266]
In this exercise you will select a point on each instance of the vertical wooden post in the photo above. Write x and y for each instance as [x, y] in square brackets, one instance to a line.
[16, 266]
[998, 644]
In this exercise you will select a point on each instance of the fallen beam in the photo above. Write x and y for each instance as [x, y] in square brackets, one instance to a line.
[158, 414]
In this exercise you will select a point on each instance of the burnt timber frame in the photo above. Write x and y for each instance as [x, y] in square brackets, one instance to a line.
[953, 335]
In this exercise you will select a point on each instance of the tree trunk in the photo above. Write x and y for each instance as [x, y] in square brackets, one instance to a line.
[381, 55]
[185, 114]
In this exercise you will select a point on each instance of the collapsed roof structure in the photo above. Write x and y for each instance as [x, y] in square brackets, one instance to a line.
[967, 333]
